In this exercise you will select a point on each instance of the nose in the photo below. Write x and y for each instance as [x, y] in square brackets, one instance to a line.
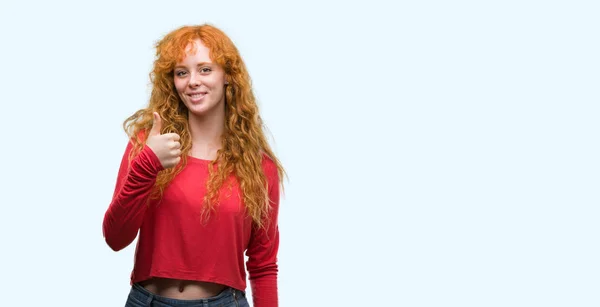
[195, 80]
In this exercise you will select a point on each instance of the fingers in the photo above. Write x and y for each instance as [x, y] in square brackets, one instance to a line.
[172, 140]
[167, 147]
[175, 148]
[156, 125]
[172, 136]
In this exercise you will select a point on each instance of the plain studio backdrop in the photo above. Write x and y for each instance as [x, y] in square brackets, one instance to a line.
[440, 153]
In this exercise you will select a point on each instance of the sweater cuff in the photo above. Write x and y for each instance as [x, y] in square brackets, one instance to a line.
[264, 291]
[146, 164]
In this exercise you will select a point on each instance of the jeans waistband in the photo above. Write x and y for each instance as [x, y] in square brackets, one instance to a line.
[226, 297]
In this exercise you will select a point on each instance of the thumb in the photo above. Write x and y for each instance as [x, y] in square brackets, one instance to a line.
[156, 125]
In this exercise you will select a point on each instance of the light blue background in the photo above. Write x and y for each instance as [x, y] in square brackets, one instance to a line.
[440, 153]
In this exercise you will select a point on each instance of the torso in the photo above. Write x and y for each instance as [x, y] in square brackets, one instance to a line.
[182, 289]
[191, 251]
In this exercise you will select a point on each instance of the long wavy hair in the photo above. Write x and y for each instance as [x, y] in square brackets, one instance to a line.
[243, 142]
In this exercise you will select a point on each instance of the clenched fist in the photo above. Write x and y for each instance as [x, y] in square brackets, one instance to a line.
[165, 146]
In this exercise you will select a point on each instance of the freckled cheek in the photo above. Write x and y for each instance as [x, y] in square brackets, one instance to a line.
[179, 87]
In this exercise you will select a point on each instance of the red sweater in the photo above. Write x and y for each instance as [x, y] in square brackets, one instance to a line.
[173, 242]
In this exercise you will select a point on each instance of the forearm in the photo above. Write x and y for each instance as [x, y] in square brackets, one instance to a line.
[127, 209]
[264, 287]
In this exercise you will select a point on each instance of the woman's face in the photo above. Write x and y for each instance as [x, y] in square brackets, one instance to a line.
[200, 83]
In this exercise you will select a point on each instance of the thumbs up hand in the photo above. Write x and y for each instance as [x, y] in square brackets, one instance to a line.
[165, 146]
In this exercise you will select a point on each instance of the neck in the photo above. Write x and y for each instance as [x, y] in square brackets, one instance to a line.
[206, 131]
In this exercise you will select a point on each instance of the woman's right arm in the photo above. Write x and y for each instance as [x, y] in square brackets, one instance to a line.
[126, 212]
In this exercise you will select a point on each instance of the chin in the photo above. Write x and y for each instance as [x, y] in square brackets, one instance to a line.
[201, 109]
[197, 111]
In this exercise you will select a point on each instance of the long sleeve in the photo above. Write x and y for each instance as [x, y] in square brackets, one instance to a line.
[263, 248]
[126, 211]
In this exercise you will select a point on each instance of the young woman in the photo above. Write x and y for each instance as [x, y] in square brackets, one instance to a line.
[199, 181]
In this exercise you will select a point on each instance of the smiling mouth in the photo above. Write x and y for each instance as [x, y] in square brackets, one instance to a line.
[197, 95]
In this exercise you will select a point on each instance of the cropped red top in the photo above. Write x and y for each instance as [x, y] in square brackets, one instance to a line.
[174, 243]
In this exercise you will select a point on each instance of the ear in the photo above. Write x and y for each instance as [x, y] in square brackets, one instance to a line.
[226, 80]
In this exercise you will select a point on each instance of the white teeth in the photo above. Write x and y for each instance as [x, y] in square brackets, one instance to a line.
[197, 95]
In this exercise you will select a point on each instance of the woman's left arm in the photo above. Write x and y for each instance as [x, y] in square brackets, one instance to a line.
[263, 248]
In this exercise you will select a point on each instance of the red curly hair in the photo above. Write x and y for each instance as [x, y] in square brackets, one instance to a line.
[243, 143]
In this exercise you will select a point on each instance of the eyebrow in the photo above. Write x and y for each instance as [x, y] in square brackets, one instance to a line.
[199, 64]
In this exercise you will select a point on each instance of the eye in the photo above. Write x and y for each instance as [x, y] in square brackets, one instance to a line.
[180, 73]
[205, 70]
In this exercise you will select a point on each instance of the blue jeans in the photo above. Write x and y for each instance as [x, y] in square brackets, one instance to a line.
[140, 297]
